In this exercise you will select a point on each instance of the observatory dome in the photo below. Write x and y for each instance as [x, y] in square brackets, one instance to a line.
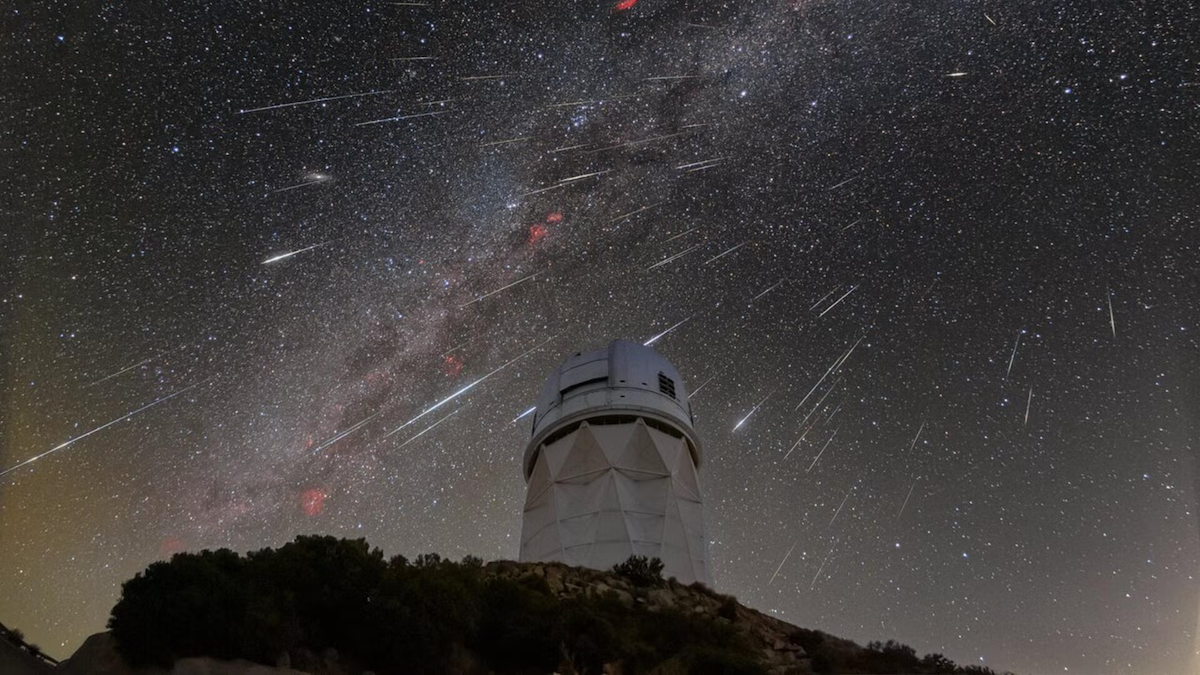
[612, 465]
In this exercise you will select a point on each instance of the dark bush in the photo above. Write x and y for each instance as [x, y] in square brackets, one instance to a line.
[641, 571]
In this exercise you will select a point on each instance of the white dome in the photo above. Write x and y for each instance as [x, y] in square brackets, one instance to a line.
[624, 377]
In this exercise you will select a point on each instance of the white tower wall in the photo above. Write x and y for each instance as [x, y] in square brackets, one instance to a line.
[613, 466]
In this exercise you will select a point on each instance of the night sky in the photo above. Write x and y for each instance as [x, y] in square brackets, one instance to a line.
[938, 260]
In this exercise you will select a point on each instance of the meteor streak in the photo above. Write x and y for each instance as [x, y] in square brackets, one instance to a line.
[475, 78]
[906, 497]
[570, 147]
[486, 295]
[467, 388]
[959, 74]
[664, 261]
[1028, 402]
[654, 339]
[545, 189]
[670, 239]
[430, 428]
[768, 290]
[123, 370]
[314, 100]
[814, 462]
[726, 252]
[584, 175]
[317, 178]
[284, 256]
[823, 397]
[338, 437]
[797, 443]
[823, 298]
[506, 142]
[836, 363]
[839, 301]
[818, 574]
[839, 508]
[752, 411]
[1013, 356]
[527, 413]
[1112, 321]
[848, 180]
[634, 213]
[697, 390]
[102, 427]
[402, 117]
[914, 440]
[703, 161]
[781, 562]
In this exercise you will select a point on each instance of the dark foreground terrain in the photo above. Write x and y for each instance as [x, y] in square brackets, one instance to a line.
[337, 607]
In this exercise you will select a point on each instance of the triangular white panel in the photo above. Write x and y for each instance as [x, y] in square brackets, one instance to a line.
[556, 453]
[641, 455]
[668, 446]
[612, 439]
[584, 459]
[539, 482]
[685, 474]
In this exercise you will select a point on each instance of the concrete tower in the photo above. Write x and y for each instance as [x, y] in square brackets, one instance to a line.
[613, 466]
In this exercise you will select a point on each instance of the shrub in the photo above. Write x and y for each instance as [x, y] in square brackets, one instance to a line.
[641, 571]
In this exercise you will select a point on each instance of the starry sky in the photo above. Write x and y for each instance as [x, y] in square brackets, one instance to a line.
[282, 268]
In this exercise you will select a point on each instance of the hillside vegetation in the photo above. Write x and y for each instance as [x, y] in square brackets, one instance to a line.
[330, 605]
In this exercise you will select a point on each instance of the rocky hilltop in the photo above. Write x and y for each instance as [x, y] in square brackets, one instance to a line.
[336, 607]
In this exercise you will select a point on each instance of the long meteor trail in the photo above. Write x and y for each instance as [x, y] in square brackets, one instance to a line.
[814, 462]
[914, 440]
[469, 387]
[752, 411]
[654, 339]
[429, 428]
[838, 302]
[836, 364]
[818, 574]
[1112, 320]
[340, 436]
[677, 256]
[726, 252]
[123, 370]
[485, 295]
[102, 427]
[1012, 357]
[781, 562]
[906, 498]
[285, 256]
[314, 100]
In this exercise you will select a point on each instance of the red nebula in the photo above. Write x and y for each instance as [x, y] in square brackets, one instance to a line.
[312, 501]
[452, 365]
[624, 5]
[554, 217]
[169, 546]
[536, 234]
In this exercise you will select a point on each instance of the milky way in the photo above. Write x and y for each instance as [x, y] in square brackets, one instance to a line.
[930, 271]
